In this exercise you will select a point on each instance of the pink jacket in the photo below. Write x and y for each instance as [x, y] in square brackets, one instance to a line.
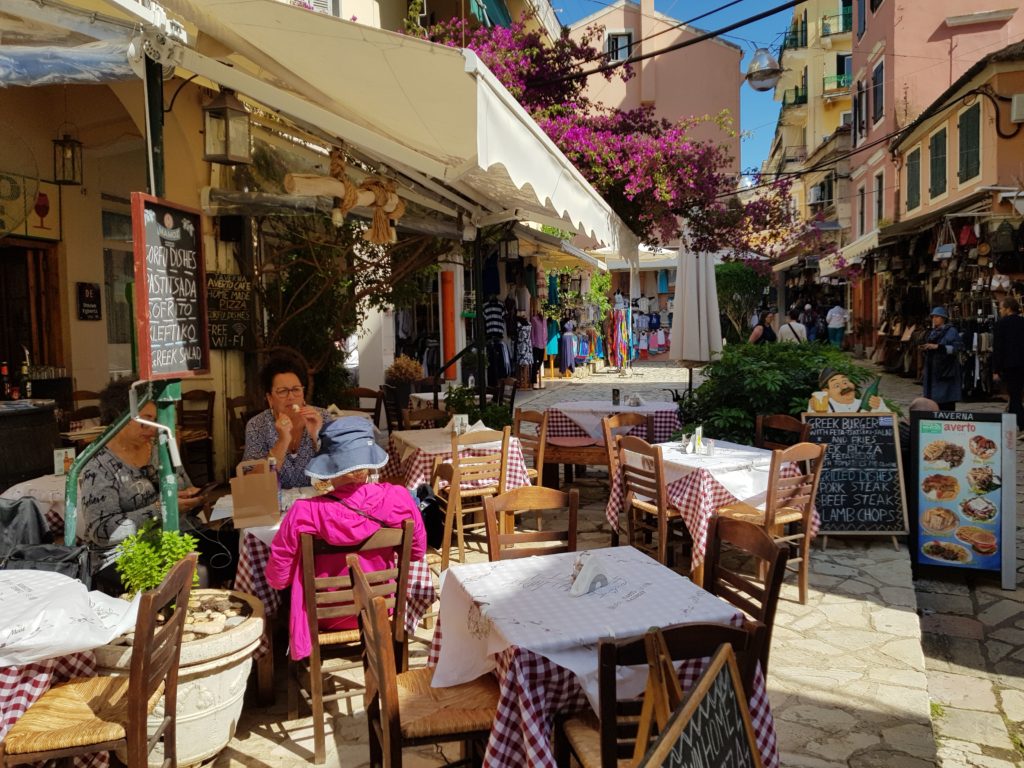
[330, 520]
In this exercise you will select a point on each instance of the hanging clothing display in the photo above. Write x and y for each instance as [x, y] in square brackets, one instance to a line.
[567, 353]
[494, 318]
[524, 347]
[554, 336]
[619, 353]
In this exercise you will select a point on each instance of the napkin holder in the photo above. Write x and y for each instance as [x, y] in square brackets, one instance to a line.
[591, 577]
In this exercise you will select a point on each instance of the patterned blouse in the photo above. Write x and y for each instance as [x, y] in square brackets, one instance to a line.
[260, 436]
[117, 499]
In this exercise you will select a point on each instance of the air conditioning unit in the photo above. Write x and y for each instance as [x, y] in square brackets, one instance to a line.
[1017, 108]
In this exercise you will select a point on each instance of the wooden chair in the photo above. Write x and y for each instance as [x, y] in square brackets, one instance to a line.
[608, 740]
[353, 398]
[392, 410]
[81, 412]
[97, 714]
[403, 709]
[424, 418]
[756, 597]
[532, 443]
[330, 597]
[782, 426]
[790, 501]
[195, 423]
[609, 425]
[240, 410]
[500, 514]
[648, 513]
[469, 479]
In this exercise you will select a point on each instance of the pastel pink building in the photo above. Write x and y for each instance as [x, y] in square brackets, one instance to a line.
[906, 53]
[703, 79]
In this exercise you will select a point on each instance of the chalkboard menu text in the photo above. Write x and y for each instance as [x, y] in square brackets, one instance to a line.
[861, 489]
[170, 289]
[712, 727]
[229, 302]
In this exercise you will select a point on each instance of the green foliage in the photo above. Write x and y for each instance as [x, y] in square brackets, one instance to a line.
[465, 400]
[145, 558]
[740, 288]
[760, 379]
[600, 288]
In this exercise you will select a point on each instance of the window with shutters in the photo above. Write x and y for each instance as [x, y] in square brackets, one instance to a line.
[862, 19]
[878, 92]
[968, 127]
[878, 192]
[914, 179]
[937, 164]
[619, 45]
[860, 210]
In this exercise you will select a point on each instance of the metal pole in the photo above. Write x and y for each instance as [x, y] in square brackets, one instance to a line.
[481, 348]
[154, 89]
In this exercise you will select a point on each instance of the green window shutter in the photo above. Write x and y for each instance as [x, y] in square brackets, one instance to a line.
[937, 164]
[914, 179]
[969, 130]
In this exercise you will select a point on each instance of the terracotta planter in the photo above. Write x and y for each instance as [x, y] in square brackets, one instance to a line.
[212, 677]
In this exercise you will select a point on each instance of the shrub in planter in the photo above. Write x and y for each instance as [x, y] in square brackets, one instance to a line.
[752, 379]
[146, 557]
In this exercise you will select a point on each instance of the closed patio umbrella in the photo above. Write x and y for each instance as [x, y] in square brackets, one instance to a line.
[696, 336]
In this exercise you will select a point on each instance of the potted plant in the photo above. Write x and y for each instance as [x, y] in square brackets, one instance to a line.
[222, 631]
[400, 375]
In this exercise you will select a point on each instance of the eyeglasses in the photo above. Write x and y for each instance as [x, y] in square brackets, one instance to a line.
[285, 391]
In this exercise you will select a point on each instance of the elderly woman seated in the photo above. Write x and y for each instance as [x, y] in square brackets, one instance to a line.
[352, 510]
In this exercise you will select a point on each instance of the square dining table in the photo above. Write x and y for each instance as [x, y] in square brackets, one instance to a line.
[413, 452]
[518, 619]
[699, 485]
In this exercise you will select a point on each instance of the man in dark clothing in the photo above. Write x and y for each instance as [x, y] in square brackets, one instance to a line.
[1008, 356]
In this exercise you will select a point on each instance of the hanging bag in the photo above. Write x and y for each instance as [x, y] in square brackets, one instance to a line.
[56, 558]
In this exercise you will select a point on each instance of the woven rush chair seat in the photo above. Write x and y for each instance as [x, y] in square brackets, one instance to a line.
[82, 712]
[583, 735]
[572, 442]
[743, 511]
[428, 712]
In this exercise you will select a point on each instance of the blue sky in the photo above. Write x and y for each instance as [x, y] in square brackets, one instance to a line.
[758, 111]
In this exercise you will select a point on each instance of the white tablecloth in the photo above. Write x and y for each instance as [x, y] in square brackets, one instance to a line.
[589, 413]
[46, 615]
[487, 607]
[48, 489]
[741, 469]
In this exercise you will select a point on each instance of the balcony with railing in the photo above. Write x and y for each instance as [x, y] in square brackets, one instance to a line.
[833, 84]
[795, 96]
[794, 153]
[837, 24]
[795, 38]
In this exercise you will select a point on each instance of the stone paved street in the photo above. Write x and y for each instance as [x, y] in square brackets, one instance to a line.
[856, 678]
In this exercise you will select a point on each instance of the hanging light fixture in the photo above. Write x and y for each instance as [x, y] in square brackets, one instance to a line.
[764, 71]
[227, 138]
[67, 151]
[508, 247]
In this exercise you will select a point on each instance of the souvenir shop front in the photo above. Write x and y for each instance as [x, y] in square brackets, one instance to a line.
[965, 261]
[640, 327]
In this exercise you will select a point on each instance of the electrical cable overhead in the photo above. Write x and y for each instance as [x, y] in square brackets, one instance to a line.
[668, 49]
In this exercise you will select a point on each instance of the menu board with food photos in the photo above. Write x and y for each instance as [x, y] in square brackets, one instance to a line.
[965, 491]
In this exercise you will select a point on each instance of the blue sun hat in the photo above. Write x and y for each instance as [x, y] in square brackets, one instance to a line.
[939, 312]
[346, 445]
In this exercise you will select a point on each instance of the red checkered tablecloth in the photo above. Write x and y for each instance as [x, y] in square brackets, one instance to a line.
[253, 555]
[697, 496]
[533, 689]
[418, 465]
[666, 422]
[21, 686]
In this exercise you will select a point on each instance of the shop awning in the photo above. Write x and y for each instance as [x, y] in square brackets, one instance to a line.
[849, 255]
[558, 252]
[782, 266]
[424, 109]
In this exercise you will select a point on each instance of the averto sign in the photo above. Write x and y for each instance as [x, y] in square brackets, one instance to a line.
[170, 289]
[229, 313]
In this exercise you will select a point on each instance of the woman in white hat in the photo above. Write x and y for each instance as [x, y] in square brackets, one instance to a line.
[349, 513]
[942, 374]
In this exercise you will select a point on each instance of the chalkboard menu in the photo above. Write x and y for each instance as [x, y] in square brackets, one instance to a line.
[170, 289]
[229, 313]
[964, 491]
[712, 727]
[861, 488]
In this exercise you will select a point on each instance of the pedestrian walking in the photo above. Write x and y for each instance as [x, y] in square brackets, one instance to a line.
[942, 374]
[809, 317]
[837, 318]
[763, 332]
[1008, 356]
[793, 330]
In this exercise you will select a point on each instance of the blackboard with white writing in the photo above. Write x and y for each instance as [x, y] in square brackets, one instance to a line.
[170, 290]
[861, 489]
[712, 727]
[229, 301]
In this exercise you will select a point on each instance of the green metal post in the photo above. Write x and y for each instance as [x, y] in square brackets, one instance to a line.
[167, 394]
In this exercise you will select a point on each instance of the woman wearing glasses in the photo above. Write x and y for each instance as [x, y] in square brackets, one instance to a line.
[289, 430]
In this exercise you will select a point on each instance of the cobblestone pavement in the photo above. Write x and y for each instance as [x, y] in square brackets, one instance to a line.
[856, 679]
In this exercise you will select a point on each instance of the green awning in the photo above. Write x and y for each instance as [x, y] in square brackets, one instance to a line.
[491, 12]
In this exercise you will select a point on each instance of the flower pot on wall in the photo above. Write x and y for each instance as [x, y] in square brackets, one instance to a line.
[212, 676]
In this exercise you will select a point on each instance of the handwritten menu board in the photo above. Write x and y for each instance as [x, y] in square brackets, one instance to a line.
[861, 489]
[712, 727]
[170, 289]
[228, 310]
[965, 512]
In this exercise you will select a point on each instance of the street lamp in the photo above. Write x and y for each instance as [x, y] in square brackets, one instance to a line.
[508, 247]
[764, 71]
[67, 157]
[227, 131]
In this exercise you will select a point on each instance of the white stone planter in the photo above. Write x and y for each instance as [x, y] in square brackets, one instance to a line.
[212, 676]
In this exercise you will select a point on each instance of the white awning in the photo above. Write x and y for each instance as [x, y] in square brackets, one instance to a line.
[849, 255]
[782, 266]
[416, 106]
